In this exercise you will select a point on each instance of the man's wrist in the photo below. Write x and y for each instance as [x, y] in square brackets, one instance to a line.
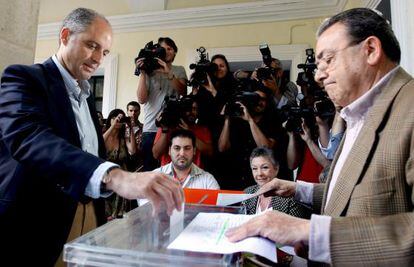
[107, 179]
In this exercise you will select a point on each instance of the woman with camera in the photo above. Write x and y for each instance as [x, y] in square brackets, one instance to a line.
[120, 147]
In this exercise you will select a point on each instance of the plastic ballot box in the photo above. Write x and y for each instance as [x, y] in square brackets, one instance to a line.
[139, 239]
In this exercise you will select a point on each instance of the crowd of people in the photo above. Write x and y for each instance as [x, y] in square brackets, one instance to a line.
[226, 132]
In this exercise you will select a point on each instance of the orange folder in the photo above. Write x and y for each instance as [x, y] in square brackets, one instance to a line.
[205, 196]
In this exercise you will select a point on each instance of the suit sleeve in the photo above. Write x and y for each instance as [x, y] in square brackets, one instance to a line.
[30, 135]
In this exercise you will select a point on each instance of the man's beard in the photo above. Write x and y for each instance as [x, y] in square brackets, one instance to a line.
[182, 166]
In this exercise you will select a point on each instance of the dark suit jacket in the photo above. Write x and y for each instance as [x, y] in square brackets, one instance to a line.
[43, 171]
[372, 201]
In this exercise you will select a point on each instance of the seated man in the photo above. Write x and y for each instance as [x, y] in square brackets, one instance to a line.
[181, 168]
[186, 120]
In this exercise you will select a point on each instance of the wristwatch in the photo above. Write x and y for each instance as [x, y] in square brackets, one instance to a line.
[107, 179]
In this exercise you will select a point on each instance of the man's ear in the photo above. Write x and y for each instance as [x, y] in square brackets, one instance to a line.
[64, 35]
[373, 50]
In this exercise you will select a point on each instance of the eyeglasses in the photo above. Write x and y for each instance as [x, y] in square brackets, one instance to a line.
[329, 57]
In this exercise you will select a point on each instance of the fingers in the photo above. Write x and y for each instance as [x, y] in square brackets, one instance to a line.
[169, 191]
[250, 228]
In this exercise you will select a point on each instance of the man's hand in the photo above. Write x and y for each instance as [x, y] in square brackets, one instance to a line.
[165, 68]
[157, 187]
[246, 115]
[139, 63]
[278, 187]
[305, 134]
[274, 225]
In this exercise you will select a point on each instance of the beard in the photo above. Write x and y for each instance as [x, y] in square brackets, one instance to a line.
[182, 163]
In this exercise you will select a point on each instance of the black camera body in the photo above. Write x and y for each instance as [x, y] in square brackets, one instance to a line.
[265, 73]
[322, 105]
[203, 67]
[174, 109]
[248, 99]
[150, 53]
[126, 120]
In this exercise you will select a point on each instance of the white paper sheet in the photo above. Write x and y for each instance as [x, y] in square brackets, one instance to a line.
[206, 233]
[224, 199]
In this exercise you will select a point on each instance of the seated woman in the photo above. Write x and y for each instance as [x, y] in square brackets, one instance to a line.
[265, 168]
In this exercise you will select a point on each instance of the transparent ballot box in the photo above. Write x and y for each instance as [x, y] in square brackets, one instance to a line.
[139, 239]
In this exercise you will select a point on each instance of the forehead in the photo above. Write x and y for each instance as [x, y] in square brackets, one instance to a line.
[100, 32]
[131, 107]
[166, 46]
[181, 141]
[331, 39]
[261, 160]
[219, 61]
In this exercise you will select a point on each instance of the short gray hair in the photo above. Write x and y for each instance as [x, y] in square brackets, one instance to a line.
[264, 152]
[80, 19]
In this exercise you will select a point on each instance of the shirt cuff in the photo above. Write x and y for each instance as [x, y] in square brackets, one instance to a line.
[304, 192]
[319, 241]
[93, 188]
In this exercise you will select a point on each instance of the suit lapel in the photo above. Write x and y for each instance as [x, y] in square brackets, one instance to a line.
[361, 153]
[59, 98]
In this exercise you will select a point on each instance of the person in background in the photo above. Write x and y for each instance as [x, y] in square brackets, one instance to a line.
[182, 149]
[120, 149]
[152, 89]
[52, 148]
[188, 120]
[264, 169]
[133, 112]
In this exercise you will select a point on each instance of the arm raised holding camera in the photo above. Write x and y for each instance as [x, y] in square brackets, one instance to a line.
[259, 137]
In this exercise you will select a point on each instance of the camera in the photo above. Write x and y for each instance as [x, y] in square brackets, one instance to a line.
[126, 120]
[249, 99]
[174, 109]
[149, 53]
[321, 106]
[203, 67]
[265, 73]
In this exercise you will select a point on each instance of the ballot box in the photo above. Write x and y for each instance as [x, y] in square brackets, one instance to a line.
[140, 239]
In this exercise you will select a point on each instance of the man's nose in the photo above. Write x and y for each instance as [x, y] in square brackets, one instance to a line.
[97, 56]
[320, 75]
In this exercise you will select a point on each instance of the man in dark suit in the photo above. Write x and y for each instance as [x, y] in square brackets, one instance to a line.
[50, 144]
[367, 203]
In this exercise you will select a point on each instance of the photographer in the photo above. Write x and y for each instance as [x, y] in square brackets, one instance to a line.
[188, 121]
[120, 149]
[152, 88]
[213, 93]
[256, 125]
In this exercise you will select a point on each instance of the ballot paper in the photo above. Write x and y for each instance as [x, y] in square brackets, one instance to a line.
[176, 222]
[206, 233]
[225, 199]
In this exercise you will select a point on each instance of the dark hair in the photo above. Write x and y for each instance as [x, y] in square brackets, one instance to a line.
[78, 20]
[220, 56]
[264, 152]
[183, 133]
[133, 103]
[114, 113]
[169, 42]
[362, 23]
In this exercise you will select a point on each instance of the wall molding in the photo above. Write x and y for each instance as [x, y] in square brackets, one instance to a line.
[229, 14]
